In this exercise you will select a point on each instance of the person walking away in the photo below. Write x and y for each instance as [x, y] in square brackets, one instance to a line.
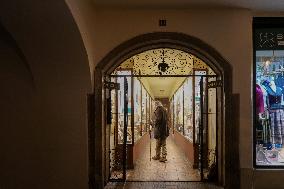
[161, 132]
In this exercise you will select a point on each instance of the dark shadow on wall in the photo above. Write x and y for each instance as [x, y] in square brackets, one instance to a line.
[16, 112]
[235, 164]
[7, 40]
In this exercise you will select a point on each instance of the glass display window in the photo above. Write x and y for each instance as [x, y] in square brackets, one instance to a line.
[137, 109]
[172, 113]
[143, 110]
[148, 111]
[196, 101]
[185, 106]
[269, 107]
[120, 104]
[114, 107]
[178, 101]
[153, 109]
[188, 109]
[268, 95]
[212, 122]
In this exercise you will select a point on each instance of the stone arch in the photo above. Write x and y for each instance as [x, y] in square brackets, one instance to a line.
[178, 41]
[50, 109]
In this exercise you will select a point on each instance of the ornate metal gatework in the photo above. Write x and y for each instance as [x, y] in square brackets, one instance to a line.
[164, 62]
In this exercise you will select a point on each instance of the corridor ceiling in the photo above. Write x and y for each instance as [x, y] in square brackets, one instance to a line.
[151, 62]
[256, 5]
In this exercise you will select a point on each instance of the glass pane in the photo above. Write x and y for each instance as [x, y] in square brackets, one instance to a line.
[269, 107]
[212, 123]
[143, 125]
[148, 111]
[188, 110]
[178, 101]
[197, 102]
[115, 153]
[268, 93]
[120, 114]
[137, 109]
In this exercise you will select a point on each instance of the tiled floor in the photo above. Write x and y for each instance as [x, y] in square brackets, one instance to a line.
[177, 168]
[161, 185]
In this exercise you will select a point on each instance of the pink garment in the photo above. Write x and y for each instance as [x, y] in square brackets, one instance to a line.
[259, 100]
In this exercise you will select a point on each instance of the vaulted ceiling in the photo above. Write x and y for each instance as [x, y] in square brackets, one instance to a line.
[257, 5]
[163, 62]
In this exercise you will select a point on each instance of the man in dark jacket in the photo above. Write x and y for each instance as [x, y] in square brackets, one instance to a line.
[161, 132]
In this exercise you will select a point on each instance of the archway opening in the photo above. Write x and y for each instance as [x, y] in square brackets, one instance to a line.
[183, 83]
[193, 68]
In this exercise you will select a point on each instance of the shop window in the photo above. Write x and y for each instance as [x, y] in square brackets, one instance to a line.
[137, 109]
[178, 101]
[268, 92]
[120, 105]
[186, 106]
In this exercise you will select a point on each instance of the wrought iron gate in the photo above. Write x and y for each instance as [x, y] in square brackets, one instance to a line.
[119, 150]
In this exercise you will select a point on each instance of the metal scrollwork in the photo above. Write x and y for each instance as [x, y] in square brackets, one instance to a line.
[164, 61]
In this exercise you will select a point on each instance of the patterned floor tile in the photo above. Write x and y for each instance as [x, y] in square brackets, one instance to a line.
[175, 169]
[162, 185]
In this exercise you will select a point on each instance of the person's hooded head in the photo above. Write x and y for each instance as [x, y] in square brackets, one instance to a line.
[158, 103]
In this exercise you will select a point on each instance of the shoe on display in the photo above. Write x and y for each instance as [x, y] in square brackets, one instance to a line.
[273, 155]
[155, 157]
[281, 160]
[261, 157]
[281, 156]
[163, 160]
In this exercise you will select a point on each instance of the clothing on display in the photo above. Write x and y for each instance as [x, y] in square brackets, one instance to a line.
[259, 100]
[269, 111]
[186, 107]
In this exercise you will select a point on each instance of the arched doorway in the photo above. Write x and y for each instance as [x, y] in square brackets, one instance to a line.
[100, 155]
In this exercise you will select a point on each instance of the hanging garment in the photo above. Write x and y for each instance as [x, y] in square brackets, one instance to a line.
[279, 81]
[274, 97]
[259, 100]
[277, 126]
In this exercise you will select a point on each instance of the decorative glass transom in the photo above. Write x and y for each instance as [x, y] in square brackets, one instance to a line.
[164, 61]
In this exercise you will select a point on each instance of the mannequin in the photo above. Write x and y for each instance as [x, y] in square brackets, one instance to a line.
[276, 111]
[273, 85]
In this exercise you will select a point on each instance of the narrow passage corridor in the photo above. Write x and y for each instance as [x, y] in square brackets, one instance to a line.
[161, 185]
[177, 168]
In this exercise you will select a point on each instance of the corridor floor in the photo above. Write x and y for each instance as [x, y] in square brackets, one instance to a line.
[177, 168]
[161, 185]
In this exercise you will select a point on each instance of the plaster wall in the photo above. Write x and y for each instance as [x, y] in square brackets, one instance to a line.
[43, 133]
[43, 108]
[83, 13]
[17, 93]
[228, 31]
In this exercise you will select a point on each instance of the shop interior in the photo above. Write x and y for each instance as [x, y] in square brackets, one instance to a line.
[269, 109]
[173, 77]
